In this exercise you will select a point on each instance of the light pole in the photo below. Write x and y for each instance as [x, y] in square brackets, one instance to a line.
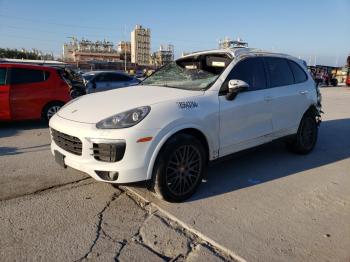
[125, 49]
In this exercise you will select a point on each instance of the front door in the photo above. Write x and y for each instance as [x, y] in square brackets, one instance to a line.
[247, 120]
[4, 95]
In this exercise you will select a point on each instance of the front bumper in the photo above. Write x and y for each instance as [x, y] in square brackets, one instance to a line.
[131, 168]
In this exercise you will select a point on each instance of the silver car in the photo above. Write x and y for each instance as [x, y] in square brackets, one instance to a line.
[97, 81]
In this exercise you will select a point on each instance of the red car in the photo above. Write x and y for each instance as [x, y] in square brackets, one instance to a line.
[31, 91]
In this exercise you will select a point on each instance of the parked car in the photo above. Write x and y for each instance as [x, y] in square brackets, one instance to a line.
[201, 107]
[139, 73]
[97, 81]
[74, 80]
[31, 91]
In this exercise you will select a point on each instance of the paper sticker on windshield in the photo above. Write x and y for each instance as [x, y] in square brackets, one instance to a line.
[187, 104]
[218, 64]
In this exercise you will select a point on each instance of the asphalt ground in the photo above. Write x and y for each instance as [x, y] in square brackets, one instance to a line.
[272, 205]
[264, 205]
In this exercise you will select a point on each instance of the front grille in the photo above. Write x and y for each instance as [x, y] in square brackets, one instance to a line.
[109, 152]
[68, 143]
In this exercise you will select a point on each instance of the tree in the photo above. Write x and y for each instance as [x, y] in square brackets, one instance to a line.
[24, 54]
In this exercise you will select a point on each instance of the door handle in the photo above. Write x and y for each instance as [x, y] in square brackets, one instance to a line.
[304, 92]
[268, 98]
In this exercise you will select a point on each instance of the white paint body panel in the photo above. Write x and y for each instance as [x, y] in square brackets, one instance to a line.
[245, 120]
[289, 104]
[228, 126]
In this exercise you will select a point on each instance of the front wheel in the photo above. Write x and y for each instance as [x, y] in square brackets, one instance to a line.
[305, 139]
[179, 168]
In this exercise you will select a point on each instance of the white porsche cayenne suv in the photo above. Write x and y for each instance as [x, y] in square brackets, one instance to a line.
[194, 110]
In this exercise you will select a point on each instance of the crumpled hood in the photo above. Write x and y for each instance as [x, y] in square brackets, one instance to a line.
[93, 108]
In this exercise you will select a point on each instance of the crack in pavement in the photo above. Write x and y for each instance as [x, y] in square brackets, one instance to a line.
[45, 189]
[138, 236]
[123, 244]
[99, 225]
[196, 237]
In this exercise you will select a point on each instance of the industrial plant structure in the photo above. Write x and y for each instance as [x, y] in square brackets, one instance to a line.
[126, 55]
[163, 56]
[86, 50]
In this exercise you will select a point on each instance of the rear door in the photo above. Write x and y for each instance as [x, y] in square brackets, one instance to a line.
[288, 94]
[4, 95]
[246, 120]
[29, 92]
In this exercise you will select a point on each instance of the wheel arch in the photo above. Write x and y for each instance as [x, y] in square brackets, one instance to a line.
[190, 130]
[312, 109]
[53, 102]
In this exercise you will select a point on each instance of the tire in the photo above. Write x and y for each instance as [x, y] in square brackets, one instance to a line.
[51, 109]
[179, 168]
[334, 82]
[305, 139]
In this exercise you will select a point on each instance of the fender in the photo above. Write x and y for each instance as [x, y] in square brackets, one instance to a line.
[315, 110]
[169, 133]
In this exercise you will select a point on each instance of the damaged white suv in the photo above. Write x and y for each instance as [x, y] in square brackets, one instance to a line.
[201, 107]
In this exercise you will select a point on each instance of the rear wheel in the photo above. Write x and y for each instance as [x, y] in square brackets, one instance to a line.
[179, 168]
[305, 139]
[51, 109]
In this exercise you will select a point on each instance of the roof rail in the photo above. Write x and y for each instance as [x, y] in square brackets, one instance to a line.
[32, 62]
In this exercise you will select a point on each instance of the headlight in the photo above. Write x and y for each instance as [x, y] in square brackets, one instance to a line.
[124, 119]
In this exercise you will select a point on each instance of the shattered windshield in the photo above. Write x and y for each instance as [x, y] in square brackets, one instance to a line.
[194, 73]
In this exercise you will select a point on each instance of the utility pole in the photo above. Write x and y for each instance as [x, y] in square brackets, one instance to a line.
[125, 48]
[336, 60]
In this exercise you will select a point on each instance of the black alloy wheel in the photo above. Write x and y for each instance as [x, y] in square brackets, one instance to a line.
[308, 133]
[179, 168]
[183, 170]
[305, 139]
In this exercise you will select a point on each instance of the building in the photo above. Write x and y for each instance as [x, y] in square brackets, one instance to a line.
[228, 43]
[141, 45]
[225, 43]
[124, 49]
[163, 56]
[86, 50]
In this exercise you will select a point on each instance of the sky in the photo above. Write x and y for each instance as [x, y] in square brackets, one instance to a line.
[314, 30]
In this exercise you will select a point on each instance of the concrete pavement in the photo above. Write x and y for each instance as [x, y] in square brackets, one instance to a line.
[52, 214]
[267, 205]
[272, 205]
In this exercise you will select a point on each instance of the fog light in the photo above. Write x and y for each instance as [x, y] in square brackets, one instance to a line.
[113, 176]
[107, 175]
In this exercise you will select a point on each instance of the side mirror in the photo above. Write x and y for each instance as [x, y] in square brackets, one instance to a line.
[234, 87]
